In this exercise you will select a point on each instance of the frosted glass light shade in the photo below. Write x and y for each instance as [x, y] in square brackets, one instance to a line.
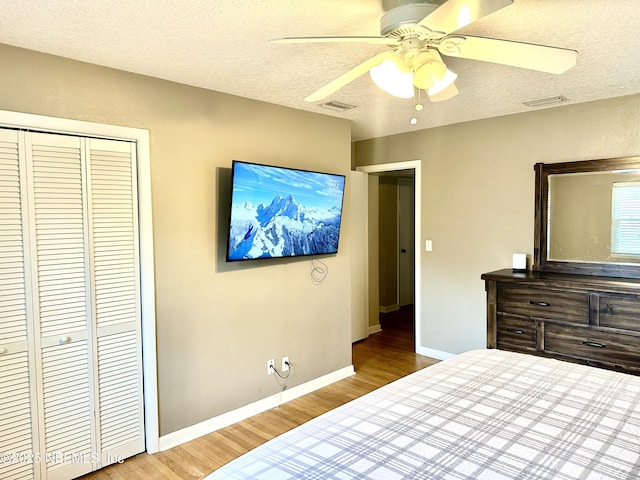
[392, 80]
[448, 79]
[428, 70]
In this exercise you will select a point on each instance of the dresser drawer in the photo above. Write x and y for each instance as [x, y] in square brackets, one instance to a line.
[620, 311]
[516, 334]
[585, 343]
[544, 303]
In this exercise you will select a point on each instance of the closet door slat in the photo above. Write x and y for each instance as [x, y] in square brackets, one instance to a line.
[116, 286]
[114, 230]
[13, 301]
[60, 385]
[60, 234]
[58, 210]
[120, 412]
[16, 416]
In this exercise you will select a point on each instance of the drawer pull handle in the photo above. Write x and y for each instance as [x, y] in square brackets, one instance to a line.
[594, 344]
[515, 330]
[539, 304]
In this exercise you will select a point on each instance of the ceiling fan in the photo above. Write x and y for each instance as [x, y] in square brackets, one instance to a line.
[419, 32]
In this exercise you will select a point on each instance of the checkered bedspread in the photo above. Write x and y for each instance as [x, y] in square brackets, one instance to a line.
[485, 414]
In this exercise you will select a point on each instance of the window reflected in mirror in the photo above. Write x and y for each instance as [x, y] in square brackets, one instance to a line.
[594, 217]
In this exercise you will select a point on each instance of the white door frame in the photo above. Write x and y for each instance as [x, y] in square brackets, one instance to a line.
[416, 166]
[145, 228]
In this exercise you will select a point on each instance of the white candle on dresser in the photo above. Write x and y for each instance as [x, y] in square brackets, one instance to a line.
[519, 261]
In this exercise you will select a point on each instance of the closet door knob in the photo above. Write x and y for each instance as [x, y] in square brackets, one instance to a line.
[4, 351]
[64, 340]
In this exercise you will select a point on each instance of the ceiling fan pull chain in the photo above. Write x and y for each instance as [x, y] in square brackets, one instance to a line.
[418, 93]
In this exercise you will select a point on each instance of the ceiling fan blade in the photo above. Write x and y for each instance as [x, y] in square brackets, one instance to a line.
[455, 14]
[516, 54]
[373, 40]
[445, 94]
[348, 77]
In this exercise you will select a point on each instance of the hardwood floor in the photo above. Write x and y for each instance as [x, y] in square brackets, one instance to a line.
[378, 360]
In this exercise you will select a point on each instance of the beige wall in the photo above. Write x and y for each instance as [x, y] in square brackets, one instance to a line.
[388, 242]
[477, 198]
[217, 323]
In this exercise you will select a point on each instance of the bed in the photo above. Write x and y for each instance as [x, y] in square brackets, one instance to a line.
[482, 415]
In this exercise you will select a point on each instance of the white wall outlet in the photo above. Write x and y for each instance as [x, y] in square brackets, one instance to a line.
[428, 245]
[271, 365]
[285, 364]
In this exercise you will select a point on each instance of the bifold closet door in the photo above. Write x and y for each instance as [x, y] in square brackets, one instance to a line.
[17, 402]
[115, 264]
[71, 397]
[87, 276]
[60, 250]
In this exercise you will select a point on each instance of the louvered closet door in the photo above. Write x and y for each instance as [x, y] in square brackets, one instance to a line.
[113, 215]
[85, 222]
[16, 402]
[62, 302]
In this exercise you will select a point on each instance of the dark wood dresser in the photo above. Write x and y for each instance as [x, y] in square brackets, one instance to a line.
[580, 318]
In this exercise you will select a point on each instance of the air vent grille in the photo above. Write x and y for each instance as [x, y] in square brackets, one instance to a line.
[544, 102]
[337, 106]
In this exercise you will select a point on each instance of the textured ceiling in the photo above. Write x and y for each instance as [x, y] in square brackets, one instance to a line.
[222, 45]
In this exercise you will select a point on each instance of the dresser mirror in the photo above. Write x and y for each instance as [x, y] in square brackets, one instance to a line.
[587, 217]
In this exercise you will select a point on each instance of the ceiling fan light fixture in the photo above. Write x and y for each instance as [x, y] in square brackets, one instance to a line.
[428, 70]
[392, 79]
[419, 31]
[448, 79]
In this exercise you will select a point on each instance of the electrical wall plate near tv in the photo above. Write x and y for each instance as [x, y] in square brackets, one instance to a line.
[283, 212]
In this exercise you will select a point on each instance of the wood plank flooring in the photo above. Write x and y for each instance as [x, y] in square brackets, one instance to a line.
[378, 360]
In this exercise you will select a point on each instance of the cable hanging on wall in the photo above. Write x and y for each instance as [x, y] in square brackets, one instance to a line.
[281, 380]
[319, 271]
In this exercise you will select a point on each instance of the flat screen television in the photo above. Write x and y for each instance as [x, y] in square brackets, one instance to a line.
[283, 212]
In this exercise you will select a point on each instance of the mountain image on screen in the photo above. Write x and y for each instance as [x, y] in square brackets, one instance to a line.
[282, 228]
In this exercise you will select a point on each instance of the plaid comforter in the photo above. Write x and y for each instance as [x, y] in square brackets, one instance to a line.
[485, 414]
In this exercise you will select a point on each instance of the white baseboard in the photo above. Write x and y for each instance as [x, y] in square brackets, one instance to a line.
[437, 354]
[374, 328]
[229, 418]
[388, 308]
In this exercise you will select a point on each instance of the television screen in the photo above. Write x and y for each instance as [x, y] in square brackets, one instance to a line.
[283, 212]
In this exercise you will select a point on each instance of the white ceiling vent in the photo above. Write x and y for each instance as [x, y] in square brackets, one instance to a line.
[544, 102]
[337, 106]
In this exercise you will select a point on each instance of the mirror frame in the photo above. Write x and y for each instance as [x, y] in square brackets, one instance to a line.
[540, 261]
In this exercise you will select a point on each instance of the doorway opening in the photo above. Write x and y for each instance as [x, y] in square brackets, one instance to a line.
[399, 259]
